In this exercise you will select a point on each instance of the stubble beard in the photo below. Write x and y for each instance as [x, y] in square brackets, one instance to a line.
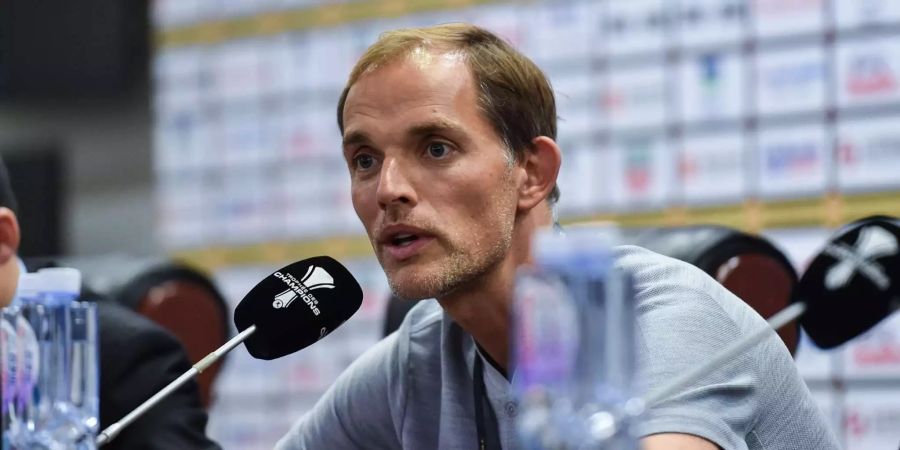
[465, 263]
[456, 270]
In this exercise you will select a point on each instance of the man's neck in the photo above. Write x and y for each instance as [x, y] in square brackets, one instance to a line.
[483, 307]
[484, 312]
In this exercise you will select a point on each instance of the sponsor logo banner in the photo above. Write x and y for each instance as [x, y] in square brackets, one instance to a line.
[710, 22]
[634, 98]
[790, 81]
[868, 72]
[851, 14]
[871, 417]
[792, 162]
[774, 18]
[641, 172]
[711, 169]
[712, 87]
[868, 154]
[635, 26]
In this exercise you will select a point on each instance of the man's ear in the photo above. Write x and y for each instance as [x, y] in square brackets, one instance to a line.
[9, 235]
[541, 167]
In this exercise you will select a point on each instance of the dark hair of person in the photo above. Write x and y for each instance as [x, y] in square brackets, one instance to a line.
[7, 197]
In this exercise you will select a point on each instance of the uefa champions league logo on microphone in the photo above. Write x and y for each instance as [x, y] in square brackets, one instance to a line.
[873, 242]
[315, 278]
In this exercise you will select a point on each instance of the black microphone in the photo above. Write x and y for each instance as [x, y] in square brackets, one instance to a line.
[853, 283]
[285, 312]
[296, 306]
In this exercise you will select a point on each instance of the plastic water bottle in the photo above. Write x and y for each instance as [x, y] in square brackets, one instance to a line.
[50, 418]
[23, 361]
[574, 345]
[84, 393]
[9, 355]
[55, 401]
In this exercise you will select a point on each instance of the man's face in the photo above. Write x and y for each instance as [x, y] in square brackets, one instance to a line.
[431, 181]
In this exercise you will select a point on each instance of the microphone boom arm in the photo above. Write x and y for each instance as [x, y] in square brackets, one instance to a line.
[113, 430]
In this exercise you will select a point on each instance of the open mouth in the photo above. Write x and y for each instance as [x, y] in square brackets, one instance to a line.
[403, 244]
[404, 239]
[400, 242]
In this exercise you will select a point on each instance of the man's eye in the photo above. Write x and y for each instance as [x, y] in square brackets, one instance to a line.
[364, 161]
[438, 150]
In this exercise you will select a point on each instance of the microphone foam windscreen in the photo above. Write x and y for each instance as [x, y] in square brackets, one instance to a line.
[296, 306]
[853, 283]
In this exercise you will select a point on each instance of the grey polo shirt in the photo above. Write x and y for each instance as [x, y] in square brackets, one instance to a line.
[413, 390]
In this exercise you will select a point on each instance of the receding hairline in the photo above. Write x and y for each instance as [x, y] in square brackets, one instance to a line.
[406, 43]
[420, 55]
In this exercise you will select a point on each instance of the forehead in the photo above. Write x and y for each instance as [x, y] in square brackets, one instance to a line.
[421, 80]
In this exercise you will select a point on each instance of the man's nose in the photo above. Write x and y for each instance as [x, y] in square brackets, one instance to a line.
[394, 185]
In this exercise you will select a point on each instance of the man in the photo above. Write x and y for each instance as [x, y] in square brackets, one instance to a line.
[137, 358]
[448, 134]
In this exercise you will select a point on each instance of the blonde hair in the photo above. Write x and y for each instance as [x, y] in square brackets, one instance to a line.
[514, 94]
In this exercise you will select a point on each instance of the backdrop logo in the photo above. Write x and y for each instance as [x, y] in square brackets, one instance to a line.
[711, 84]
[694, 166]
[792, 158]
[781, 7]
[642, 96]
[870, 10]
[694, 15]
[687, 167]
[638, 166]
[865, 421]
[869, 74]
[792, 78]
[856, 424]
[873, 152]
[847, 153]
[882, 150]
[622, 24]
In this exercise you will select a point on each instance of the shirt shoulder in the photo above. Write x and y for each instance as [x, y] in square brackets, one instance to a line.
[684, 317]
[669, 287]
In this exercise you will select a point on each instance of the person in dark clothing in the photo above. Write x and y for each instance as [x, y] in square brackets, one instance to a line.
[137, 358]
